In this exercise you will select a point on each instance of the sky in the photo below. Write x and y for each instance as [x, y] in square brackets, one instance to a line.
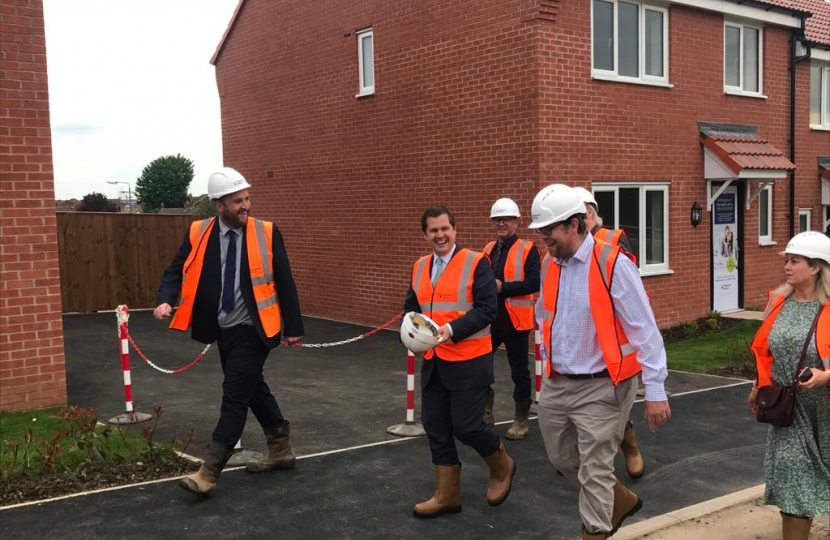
[131, 81]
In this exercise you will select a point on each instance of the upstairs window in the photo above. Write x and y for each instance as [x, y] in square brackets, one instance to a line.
[366, 62]
[630, 41]
[820, 96]
[742, 59]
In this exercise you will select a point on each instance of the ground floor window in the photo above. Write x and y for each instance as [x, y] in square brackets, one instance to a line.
[804, 215]
[827, 220]
[642, 211]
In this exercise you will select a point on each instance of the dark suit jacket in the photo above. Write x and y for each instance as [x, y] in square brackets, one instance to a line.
[477, 372]
[205, 324]
[529, 285]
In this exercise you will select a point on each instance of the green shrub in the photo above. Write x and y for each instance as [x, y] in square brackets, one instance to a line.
[690, 329]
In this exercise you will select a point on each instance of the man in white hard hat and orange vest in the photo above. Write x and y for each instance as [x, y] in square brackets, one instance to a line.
[634, 464]
[236, 288]
[599, 333]
[454, 287]
[515, 264]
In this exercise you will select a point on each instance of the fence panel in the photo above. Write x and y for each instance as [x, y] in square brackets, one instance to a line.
[107, 259]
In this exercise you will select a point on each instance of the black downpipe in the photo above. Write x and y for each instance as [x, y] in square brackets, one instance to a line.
[793, 42]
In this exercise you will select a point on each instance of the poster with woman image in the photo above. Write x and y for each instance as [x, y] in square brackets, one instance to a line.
[725, 252]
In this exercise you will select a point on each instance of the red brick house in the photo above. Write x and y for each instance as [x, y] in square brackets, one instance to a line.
[32, 373]
[349, 120]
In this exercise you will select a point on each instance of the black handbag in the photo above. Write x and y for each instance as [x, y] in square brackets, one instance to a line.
[776, 403]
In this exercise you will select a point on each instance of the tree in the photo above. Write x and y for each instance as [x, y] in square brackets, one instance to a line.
[97, 202]
[164, 181]
[204, 209]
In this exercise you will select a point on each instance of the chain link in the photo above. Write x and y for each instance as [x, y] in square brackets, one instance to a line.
[352, 340]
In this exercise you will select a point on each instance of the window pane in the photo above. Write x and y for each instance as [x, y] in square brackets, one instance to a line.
[827, 220]
[368, 62]
[630, 216]
[654, 43]
[629, 36]
[751, 57]
[603, 35]
[605, 200]
[655, 250]
[803, 223]
[732, 44]
[815, 94]
[763, 213]
[827, 96]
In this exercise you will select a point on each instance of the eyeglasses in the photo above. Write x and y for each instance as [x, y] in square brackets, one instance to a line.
[497, 220]
[546, 231]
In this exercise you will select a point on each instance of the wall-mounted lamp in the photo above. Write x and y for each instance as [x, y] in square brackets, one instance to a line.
[696, 214]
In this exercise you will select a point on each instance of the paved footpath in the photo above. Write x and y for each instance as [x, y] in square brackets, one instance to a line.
[353, 480]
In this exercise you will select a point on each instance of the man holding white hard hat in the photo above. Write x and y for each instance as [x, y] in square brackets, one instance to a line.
[454, 287]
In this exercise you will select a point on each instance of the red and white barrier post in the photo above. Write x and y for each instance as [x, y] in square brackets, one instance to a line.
[409, 428]
[130, 416]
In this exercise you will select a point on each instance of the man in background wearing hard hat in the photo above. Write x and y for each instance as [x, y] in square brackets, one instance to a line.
[236, 287]
[599, 333]
[515, 266]
[635, 466]
[454, 287]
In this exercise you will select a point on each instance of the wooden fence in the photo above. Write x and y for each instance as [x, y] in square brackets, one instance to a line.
[107, 259]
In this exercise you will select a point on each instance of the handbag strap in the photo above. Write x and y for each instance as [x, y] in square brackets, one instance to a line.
[806, 344]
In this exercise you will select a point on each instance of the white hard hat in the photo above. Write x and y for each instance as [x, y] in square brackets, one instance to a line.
[419, 333]
[587, 196]
[224, 182]
[504, 208]
[555, 203]
[810, 244]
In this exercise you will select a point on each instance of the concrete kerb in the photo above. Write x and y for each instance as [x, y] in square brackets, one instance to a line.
[696, 511]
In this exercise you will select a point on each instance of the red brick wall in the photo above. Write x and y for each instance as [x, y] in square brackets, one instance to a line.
[32, 373]
[474, 101]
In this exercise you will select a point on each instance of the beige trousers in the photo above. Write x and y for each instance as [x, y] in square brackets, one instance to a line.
[582, 424]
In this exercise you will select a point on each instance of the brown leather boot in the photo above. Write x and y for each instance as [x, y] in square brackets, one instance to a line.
[447, 496]
[280, 454]
[203, 481]
[626, 504]
[595, 536]
[634, 464]
[795, 527]
[502, 470]
[489, 419]
[519, 428]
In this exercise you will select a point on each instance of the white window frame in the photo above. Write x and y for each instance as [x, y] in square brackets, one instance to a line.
[362, 35]
[826, 222]
[824, 102]
[739, 90]
[614, 75]
[644, 187]
[765, 239]
[805, 212]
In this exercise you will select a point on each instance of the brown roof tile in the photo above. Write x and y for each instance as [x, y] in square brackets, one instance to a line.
[753, 153]
[818, 26]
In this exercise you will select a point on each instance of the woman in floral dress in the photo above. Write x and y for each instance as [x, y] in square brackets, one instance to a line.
[797, 459]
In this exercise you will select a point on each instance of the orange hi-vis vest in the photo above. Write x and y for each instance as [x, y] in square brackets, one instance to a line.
[258, 239]
[617, 352]
[451, 298]
[612, 236]
[520, 308]
[760, 345]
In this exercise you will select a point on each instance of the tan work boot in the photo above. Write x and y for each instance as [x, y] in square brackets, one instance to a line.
[626, 504]
[280, 454]
[519, 428]
[447, 496]
[595, 536]
[502, 470]
[203, 481]
[795, 527]
[489, 419]
[634, 464]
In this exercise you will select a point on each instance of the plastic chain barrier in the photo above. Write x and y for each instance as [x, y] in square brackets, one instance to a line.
[390, 322]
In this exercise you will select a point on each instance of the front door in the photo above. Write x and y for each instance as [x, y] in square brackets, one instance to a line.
[726, 284]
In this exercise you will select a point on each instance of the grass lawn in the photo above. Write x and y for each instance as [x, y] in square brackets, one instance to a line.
[727, 350]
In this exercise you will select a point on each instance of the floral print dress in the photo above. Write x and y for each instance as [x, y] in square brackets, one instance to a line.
[797, 460]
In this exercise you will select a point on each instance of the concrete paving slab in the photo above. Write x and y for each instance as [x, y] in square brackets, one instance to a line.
[353, 480]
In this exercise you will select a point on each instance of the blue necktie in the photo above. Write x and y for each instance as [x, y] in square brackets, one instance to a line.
[230, 274]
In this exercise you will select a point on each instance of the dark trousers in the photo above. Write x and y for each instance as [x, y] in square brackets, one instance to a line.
[243, 356]
[450, 414]
[516, 344]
